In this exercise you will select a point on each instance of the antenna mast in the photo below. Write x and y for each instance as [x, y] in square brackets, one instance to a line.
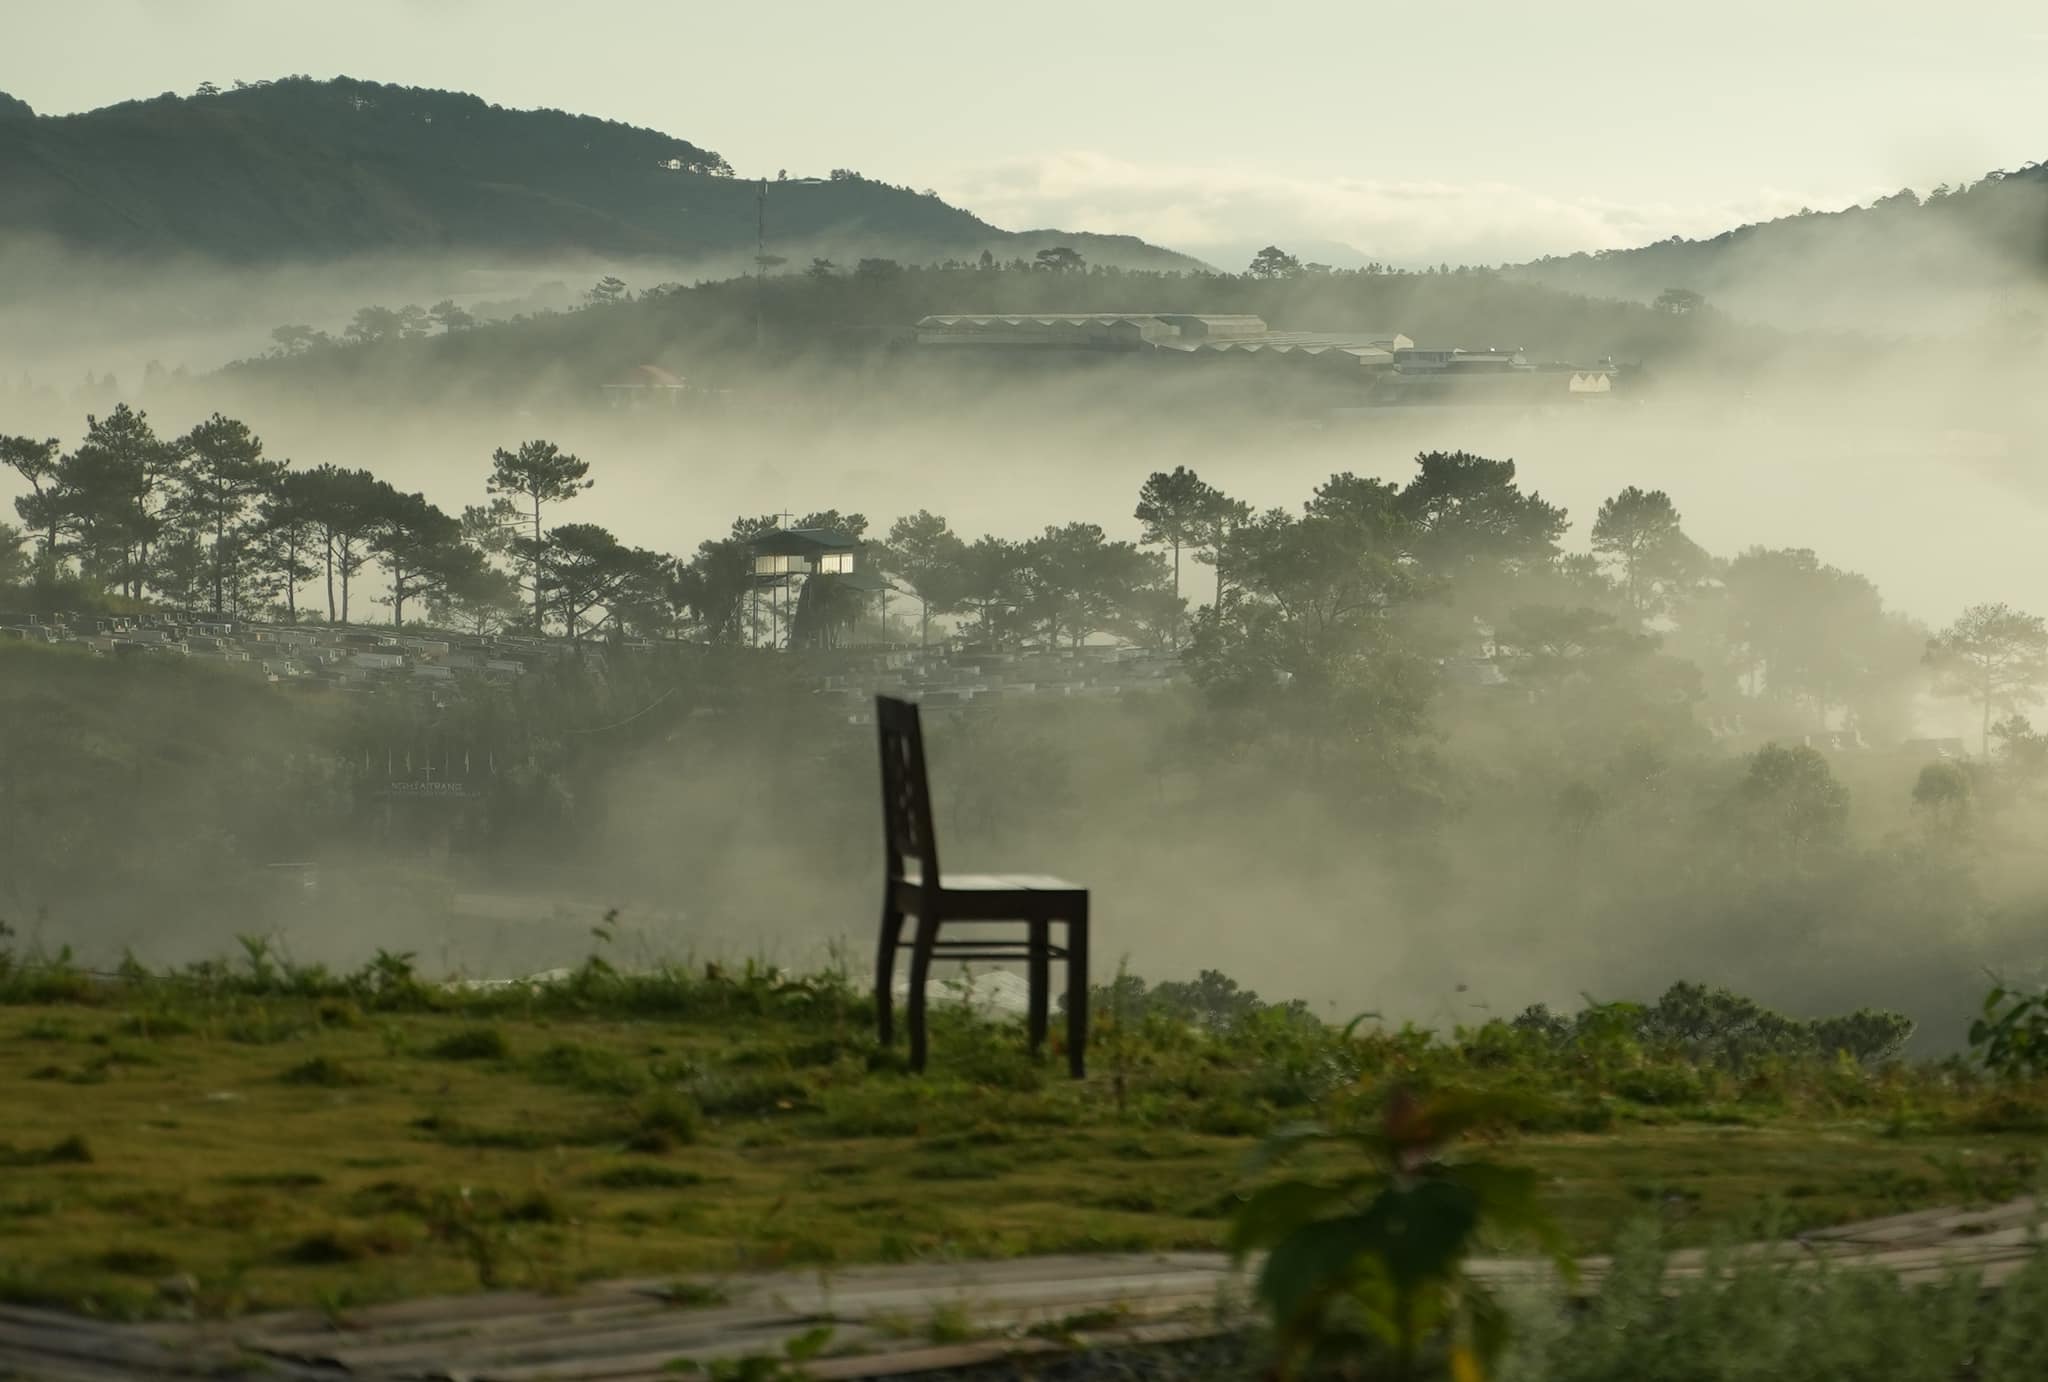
[760, 255]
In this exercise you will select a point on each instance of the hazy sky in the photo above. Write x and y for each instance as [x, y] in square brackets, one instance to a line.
[1478, 130]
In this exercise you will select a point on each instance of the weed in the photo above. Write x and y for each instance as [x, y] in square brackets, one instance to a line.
[474, 1043]
[476, 1223]
[641, 1176]
[340, 1245]
[27, 1209]
[1081, 1322]
[263, 1028]
[137, 1262]
[863, 1114]
[338, 1012]
[1086, 1237]
[325, 1072]
[86, 1293]
[390, 1197]
[154, 1024]
[536, 1206]
[1231, 1119]
[1663, 1085]
[69, 1151]
[950, 1324]
[274, 1180]
[958, 1167]
[454, 1132]
[694, 1294]
[665, 1120]
[1154, 1148]
[589, 1068]
[788, 1366]
[1129, 1201]
[750, 1094]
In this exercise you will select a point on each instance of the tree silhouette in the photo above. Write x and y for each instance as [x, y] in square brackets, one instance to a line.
[993, 583]
[109, 496]
[1274, 262]
[223, 475]
[345, 508]
[584, 567]
[540, 473]
[1638, 531]
[929, 557]
[419, 547]
[1177, 508]
[1996, 655]
[287, 533]
[1470, 516]
[13, 557]
[451, 317]
[1078, 582]
[35, 462]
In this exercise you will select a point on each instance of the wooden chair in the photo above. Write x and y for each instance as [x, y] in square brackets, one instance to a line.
[913, 886]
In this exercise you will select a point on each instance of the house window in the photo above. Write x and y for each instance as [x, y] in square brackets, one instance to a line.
[777, 566]
[835, 563]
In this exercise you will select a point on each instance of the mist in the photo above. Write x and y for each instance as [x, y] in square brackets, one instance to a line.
[1919, 469]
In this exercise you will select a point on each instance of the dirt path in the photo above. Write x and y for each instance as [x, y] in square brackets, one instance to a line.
[874, 1321]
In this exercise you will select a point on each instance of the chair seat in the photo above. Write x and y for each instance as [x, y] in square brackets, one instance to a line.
[993, 896]
[1004, 883]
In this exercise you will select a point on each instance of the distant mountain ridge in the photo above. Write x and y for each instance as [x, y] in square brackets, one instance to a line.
[302, 169]
[1904, 263]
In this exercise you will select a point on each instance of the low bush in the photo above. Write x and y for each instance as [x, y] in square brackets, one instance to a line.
[643, 1176]
[474, 1043]
[590, 1068]
[665, 1120]
[325, 1072]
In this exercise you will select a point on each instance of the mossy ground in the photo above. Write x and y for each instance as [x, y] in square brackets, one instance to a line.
[282, 1151]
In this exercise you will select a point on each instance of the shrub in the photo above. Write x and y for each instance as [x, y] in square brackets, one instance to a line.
[155, 1023]
[590, 1068]
[69, 1151]
[2010, 1036]
[641, 1176]
[1231, 1118]
[750, 1094]
[137, 1262]
[1664, 1085]
[664, 1120]
[336, 1246]
[475, 1043]
[1373, 1263]
[326, 1072]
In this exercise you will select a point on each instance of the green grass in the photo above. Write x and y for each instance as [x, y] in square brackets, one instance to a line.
[400, 1141]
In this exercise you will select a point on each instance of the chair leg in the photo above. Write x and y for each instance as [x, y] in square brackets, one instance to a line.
[1077, 992]
[885, 974]
[920, 971]
[1041, 981]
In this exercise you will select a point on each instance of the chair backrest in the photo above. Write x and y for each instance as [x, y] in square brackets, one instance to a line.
[906, 793]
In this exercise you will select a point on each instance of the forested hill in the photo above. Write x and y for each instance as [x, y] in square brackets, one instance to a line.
[300, 169]
[1903, 263]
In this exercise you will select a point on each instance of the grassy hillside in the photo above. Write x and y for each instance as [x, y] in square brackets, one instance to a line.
[1900, 265]
[301, 169]
[293, 1137]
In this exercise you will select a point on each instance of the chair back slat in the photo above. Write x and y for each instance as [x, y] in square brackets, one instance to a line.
[906, 792]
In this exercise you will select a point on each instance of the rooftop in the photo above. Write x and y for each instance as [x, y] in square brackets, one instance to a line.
[796, 542]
